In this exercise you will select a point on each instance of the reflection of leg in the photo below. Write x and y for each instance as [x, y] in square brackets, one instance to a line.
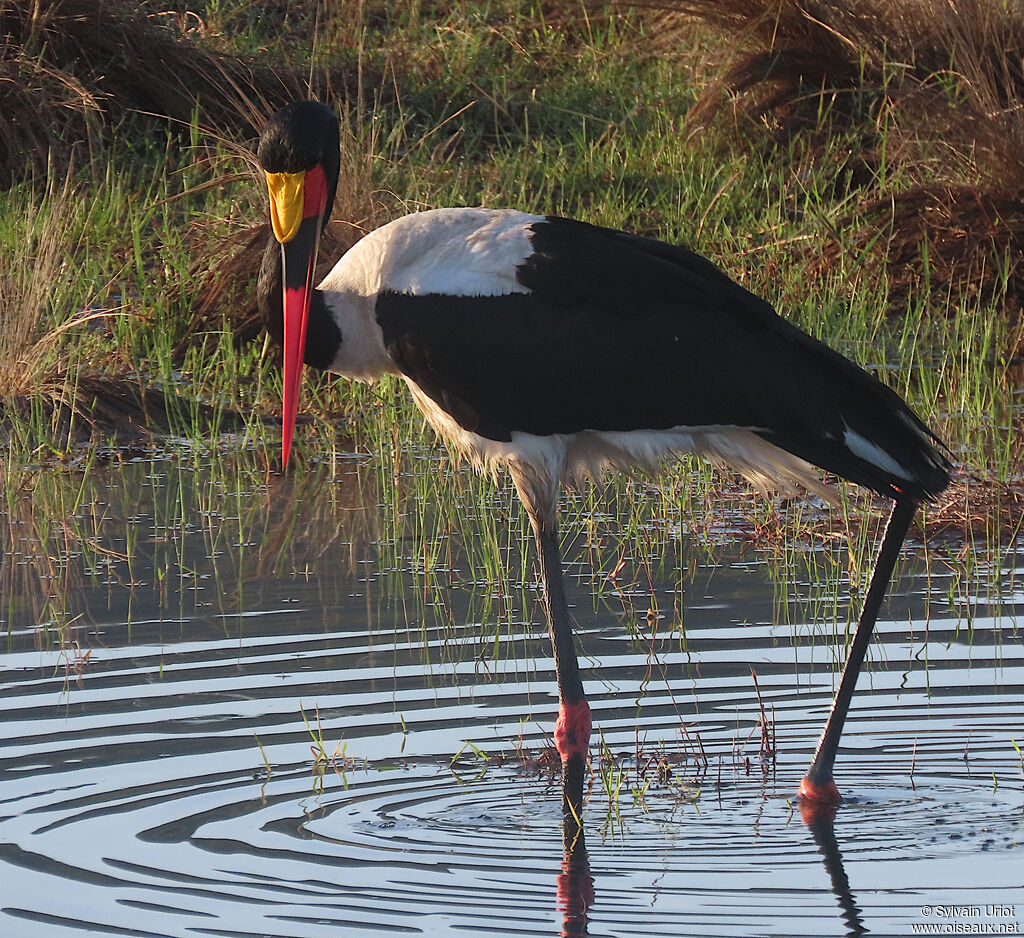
[572, 731]
[818, 785]
[823, 831]
[575, 884]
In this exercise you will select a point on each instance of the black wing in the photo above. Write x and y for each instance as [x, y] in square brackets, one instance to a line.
[627, 333]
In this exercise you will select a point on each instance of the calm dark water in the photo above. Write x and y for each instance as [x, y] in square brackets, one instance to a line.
[208, 615]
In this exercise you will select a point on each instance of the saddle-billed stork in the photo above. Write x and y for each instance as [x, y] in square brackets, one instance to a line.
[558, 350]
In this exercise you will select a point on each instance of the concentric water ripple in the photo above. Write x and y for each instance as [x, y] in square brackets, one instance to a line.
[135, 796]
[416, 847]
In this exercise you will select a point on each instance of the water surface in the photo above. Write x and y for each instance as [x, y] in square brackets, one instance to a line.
[158, 774]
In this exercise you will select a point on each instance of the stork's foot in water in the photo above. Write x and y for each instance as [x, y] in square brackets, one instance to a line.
[572, 739]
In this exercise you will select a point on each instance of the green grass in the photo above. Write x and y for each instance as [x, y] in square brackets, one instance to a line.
[475, 104]
[490, 106]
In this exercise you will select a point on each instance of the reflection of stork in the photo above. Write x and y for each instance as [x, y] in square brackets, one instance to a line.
[822, 827]
[559, 350]
[575, 887]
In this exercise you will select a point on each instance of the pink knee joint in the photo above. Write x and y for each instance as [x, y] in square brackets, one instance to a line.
[572, 730]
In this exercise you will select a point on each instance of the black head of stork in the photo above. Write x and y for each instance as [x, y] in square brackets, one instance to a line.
[300, 155]
[557, 349]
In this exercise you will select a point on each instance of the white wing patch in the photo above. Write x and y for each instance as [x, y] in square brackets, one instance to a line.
[450, 251]
[874, 454]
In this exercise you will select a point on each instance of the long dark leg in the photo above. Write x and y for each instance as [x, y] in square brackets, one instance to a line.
[572, 731]
[818, 785]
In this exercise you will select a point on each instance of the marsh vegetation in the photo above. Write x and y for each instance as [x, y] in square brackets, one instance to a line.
[863, 176]
[170, 592]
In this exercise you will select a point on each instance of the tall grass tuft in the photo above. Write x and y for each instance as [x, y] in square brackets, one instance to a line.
[930, 95]
[72, 69]
[43, 297]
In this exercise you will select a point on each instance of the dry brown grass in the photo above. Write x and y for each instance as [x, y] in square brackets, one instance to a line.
[70, 69]
[786, 56]
[977, 510]
[931, 93]
[45, 112]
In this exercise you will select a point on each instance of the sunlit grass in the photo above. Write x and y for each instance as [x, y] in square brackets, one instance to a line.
[483, 104]
[489, 106]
